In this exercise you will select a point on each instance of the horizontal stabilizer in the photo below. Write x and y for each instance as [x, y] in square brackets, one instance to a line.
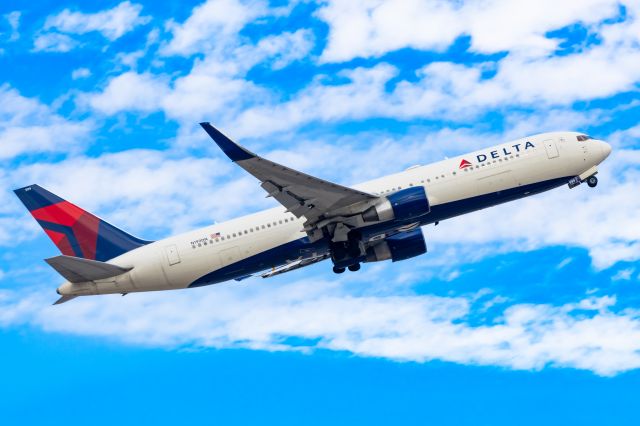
[64, 299]
[77, 270]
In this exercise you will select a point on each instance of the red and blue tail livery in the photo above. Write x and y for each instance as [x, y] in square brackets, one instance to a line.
[74, 231]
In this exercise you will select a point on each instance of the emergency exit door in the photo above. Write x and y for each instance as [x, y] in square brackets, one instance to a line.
[551, 148]
[172, 254]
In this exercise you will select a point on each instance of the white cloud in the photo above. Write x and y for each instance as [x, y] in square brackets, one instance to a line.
[366, 28]
[451, 91]
[79, 73]
[585, 335]
[214, 88]
[217, 87]
[130, 91]
[27, 126]
[286, 47]
[623, 274]
[211, 25]
[111, 23]
[13, 19]
[54, 42]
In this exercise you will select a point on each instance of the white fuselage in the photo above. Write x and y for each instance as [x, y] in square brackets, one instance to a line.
[454, 186]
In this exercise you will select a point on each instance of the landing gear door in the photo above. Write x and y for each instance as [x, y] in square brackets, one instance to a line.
[551, 148]
[173, 257]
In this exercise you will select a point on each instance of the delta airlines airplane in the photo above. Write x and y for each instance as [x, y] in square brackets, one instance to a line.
[318, 220]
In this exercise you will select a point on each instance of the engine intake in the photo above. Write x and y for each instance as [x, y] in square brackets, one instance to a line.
[402, 246]
[406, 204]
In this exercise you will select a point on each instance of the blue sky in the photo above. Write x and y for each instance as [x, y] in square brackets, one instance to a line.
[526, 311]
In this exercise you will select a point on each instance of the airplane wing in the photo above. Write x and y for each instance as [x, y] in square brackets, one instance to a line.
[303, 195]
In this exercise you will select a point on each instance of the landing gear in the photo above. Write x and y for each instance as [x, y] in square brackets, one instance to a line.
[592, 181]
[355, 267]
[338, 270]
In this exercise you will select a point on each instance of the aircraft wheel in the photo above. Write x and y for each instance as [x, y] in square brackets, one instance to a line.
[592, 181]
[338, 270]
[354, 267]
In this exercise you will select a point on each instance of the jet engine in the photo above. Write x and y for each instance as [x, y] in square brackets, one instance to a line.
[398, 247]
[406, 204]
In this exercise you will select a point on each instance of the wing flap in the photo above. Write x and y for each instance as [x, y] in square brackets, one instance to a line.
[296, 264]
[77, 270]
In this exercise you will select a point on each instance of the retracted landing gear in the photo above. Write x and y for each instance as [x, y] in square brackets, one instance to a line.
[592, 181]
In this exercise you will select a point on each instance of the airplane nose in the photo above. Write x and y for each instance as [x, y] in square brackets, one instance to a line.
[606, 149]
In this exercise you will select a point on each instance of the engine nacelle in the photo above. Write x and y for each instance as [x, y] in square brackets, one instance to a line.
[406, 204]
[398, 247]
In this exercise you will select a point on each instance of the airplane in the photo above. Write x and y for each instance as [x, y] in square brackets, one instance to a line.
[371, 222]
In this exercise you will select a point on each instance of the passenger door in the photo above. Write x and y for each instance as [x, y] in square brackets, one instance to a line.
[551, 148]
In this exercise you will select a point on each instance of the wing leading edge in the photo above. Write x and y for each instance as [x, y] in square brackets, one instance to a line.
[301, 194]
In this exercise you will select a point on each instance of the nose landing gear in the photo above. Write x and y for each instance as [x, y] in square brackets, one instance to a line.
[337, 270]
[592, 181]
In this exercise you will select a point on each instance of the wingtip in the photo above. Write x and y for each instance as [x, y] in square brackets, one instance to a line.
[234, 151]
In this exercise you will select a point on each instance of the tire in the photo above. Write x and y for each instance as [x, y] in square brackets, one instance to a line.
[592, 181]
[355, 267]
[338, 270]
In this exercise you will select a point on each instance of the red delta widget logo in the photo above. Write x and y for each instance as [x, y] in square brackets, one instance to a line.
[464, 164]
[515, 148]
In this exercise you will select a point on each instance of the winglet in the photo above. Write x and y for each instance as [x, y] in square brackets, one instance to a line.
[234, 151]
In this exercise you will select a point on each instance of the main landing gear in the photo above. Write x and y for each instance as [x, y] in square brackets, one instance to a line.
[592, 181]
[353, 268]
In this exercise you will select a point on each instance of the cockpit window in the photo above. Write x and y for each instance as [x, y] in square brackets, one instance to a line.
[582, 138]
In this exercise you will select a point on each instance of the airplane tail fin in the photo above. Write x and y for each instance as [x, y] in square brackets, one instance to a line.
[73, 230]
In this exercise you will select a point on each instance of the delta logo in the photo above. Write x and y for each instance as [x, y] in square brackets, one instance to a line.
[464, 164]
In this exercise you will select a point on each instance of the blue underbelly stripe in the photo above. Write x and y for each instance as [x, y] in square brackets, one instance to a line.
[293, 250]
